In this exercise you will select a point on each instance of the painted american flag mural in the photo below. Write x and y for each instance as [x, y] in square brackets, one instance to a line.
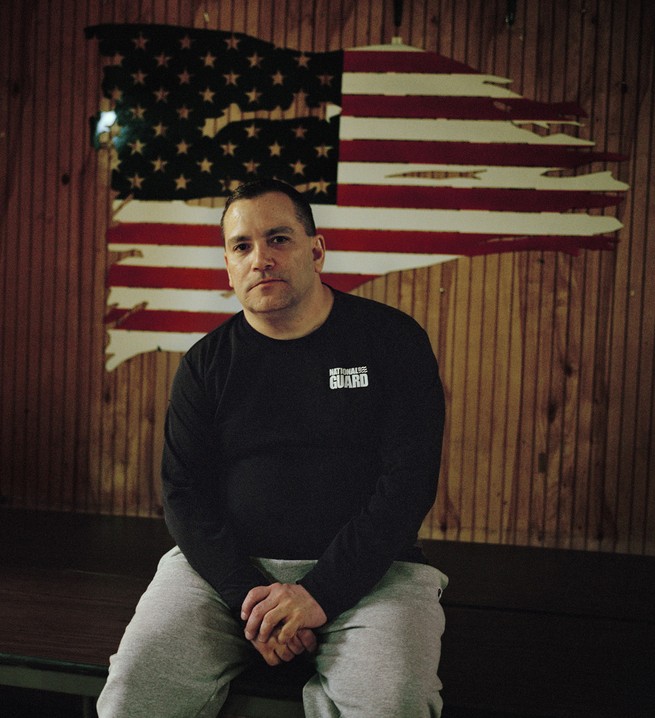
[407, 157]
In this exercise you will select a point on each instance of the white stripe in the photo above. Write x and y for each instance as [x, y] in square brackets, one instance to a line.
[485, 131]
[419, 220]
[173, 212]
[390, 47]
[378, 262]
[465, 221]
[157, 255]
[433, 84]
[338, 262]
[124, 344]
[188, 300]
[393, 174]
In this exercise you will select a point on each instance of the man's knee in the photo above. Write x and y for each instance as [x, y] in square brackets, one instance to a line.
[362, 691]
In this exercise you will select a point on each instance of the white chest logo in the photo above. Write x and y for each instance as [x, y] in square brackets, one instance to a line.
[354, 377]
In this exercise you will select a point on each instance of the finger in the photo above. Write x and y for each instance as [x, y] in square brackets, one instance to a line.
[254, 596]
[292, 625]
[264, 617]
[282, 651]
[271, 658]
[285, 654]
[266, 653]
[263, 621]
[296, 646]
[308, 639]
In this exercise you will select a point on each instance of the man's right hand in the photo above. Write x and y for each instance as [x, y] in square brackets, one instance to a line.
[274, 652]
[288, 606]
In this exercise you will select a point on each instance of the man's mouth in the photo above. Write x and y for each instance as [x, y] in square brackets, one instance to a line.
[264, 282]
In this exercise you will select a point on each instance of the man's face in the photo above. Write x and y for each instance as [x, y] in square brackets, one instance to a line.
[271, 262]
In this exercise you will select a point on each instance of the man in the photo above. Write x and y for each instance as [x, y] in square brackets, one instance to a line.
[302, 451]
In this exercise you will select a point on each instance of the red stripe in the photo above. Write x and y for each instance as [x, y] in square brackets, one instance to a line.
[354, 240]
[570, 245]
[197, 235]
[207, 279]
[121, 275]
[164, 321]
[347, 282]
[380, 240]
[456, 243]
[402, 61]
[500, 200]
[457, 108]
[201, 322]
[470, 153]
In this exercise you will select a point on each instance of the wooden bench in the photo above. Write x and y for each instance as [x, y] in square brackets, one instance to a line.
[68, 587]
[530, 632]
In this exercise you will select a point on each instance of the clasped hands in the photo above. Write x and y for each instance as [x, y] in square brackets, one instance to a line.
[279, 621]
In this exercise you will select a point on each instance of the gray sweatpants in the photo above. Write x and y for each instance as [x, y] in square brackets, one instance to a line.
[183, 647]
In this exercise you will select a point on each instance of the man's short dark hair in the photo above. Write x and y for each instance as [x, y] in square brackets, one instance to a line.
[257, 188]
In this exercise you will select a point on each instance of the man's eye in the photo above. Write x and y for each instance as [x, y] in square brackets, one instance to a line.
[240, 247]
[279, 239]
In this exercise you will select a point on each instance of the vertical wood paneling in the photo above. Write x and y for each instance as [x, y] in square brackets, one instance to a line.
[639, 410]
[10, 114]
[548, 360]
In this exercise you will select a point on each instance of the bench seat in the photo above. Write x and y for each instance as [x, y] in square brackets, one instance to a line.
[529, 632]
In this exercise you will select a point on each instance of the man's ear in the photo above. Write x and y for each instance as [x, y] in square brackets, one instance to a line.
[318, 251]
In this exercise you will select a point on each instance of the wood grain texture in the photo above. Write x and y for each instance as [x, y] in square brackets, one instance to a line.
[547, 359]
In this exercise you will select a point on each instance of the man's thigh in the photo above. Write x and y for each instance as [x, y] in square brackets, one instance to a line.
[383, 654]
[181, 648]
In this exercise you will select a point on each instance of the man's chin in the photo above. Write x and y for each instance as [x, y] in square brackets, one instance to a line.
[269, 305]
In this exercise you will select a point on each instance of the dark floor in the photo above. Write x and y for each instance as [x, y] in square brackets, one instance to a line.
[23, 703]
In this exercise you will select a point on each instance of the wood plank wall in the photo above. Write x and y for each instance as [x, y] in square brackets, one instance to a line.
[548, 360]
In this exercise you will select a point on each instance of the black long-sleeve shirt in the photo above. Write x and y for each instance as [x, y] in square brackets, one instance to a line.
[325, 447]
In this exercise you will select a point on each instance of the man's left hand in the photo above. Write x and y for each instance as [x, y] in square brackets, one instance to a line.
[275, 652]
[287, 605]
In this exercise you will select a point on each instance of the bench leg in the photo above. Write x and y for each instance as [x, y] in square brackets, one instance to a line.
[89, 707]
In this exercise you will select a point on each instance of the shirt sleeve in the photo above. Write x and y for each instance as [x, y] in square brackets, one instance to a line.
[410, 448]
[190, 476]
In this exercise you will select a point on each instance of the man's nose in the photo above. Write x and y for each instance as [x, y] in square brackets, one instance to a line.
[262, 257]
